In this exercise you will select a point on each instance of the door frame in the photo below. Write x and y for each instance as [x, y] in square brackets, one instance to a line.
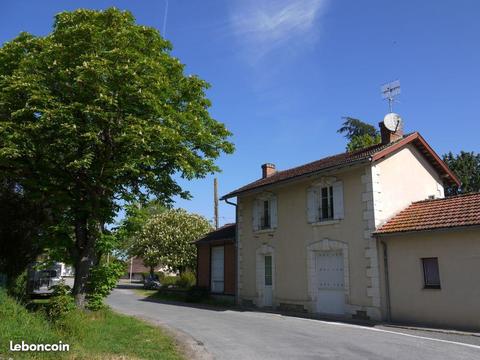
[312, 250]
[261, 252]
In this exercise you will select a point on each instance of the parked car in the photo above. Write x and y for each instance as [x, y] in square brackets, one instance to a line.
[42, 281]
[151, 282]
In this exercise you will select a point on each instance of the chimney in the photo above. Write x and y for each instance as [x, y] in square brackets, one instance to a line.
[268, 170]
[390, 136]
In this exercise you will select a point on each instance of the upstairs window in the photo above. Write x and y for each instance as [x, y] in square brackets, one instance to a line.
[326, 207]
[265, 220]
[264, 212]
[431, 273]
[325, 202]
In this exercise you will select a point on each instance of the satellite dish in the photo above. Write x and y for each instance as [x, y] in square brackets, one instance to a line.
[392, 121]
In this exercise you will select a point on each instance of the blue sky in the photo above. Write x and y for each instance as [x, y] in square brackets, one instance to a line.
[284, 72]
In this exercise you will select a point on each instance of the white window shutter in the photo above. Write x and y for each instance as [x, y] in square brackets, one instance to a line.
[273, 212]
[312, 205]
[338, 212]
[256, 215]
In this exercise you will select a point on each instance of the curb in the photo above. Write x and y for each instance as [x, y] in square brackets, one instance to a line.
[433, 330]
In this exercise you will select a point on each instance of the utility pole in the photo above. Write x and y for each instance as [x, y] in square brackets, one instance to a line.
[215, 201]
[131, 269]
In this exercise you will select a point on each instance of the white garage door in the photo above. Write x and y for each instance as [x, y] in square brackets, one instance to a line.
[330, 282]
[217, 269]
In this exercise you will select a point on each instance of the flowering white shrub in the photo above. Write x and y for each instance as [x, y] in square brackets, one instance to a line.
[167, 238]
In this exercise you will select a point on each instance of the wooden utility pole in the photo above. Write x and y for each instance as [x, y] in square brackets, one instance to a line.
[215, 201]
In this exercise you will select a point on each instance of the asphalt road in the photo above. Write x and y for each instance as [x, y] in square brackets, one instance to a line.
[231, 334]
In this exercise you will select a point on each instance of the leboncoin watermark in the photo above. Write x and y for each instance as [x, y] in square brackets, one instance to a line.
[24, 347]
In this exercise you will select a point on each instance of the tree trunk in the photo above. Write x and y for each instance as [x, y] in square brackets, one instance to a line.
[84, 260]
[152, 271]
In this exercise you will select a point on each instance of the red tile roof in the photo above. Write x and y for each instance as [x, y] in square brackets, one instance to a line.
[372, 153]
[454, 211]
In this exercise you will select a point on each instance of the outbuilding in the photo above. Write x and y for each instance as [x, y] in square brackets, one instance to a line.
[433, 262]
[216, 259]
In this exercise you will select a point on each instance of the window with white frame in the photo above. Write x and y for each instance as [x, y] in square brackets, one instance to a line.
[325, 201]
[265, 212]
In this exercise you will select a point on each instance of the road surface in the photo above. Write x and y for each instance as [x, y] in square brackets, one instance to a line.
[232, 334]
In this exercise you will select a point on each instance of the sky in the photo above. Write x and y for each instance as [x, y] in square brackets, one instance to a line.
[283, 73]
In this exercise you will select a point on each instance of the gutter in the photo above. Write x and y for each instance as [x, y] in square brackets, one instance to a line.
[439, 229]
[236, 248]
[387, 281]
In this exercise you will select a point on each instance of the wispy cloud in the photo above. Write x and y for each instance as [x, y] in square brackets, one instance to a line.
[263, 26]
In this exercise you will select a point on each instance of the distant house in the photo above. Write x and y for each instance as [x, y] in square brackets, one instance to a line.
[216, 259]
[364, 234]
[137, 269]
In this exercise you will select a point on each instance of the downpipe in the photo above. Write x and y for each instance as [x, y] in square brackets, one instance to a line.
[236, 250]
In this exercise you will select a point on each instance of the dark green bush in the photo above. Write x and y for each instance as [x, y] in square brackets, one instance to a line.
[17, 287]
[103, 279]
[161, 275]
[186, 280]
[169, 280]
[61, 303]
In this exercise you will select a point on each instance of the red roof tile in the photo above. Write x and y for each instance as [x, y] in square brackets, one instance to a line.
[455, 211]
[371, 153]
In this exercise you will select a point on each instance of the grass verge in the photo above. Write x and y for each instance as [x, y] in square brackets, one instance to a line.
[91, 335]
[182, 297]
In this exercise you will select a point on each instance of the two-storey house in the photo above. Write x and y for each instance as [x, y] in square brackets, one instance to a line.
[305, 236]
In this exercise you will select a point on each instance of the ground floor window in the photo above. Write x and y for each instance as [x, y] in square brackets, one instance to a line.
[431, 274]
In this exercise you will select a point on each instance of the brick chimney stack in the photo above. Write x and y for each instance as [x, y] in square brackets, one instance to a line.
[389, 136]
[268, 170]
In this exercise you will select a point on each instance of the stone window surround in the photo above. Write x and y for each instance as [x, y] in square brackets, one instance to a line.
[264, 196]
[312, 250]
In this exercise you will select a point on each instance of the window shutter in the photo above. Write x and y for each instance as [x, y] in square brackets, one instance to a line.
[312, 205]
[338, 212]
[256, 215]
[273, 212]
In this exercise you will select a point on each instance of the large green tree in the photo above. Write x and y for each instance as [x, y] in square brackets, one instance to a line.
[99, 111]
[167, 238]
[359, 134]
[136, 216]
[466, 166]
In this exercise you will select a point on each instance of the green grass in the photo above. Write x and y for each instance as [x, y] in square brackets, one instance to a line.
[91, 335]
[181, 297]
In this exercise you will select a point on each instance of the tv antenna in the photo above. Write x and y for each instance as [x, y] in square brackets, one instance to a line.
[390, 91]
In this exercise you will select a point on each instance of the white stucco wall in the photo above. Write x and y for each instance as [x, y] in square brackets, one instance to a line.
[404, 177]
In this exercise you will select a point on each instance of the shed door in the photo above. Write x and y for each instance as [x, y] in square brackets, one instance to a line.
[330, 282]
[218, 270]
